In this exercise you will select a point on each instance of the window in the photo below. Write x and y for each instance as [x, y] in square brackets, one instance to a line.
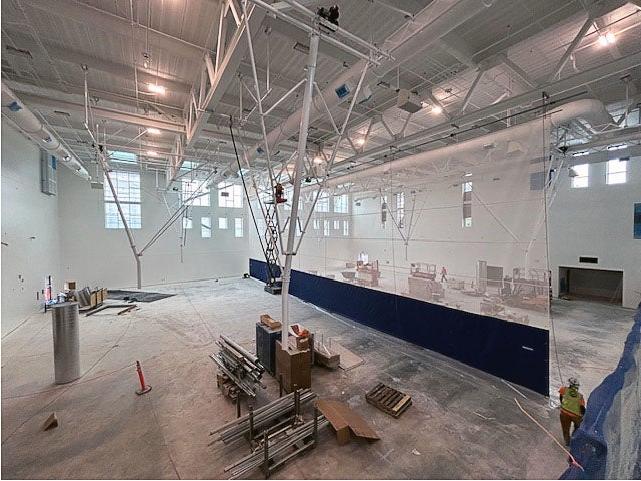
[345, 227]
[205, 226]
[123, 157]
[195, 192]
[637, 221]
[288, 194]
[322, 205]
[127, 187]
[337, 224]
[400, 208]
[222, 223]
[326, 228]
[187, 223]
[616, 171]
[238, 227]
[230, 195]
[316, 224]
[467, 204]
[581, 179]
[341, 204]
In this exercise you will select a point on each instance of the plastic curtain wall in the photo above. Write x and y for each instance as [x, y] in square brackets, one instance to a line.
[466, 229]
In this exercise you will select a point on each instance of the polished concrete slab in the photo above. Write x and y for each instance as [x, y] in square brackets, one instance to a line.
[463, 422]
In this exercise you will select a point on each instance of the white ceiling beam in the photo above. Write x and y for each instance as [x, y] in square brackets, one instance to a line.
[104, 113]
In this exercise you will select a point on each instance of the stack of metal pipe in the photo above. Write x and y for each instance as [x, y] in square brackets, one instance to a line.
[278, 448]
[241, 366]
[255, 421]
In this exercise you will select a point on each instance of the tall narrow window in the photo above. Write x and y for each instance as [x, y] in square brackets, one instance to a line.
[341, 204]
[187, 223]
[195, 192]
[238, 227]
[127, 186]
[467, 204]
[326, 228]
[222, 223]
[616, 172]
[230, 195]
[345, 227]
[205, 226]
[337, 224]
[316, 224]
[581, 176]
[400, 208]
[322, 205]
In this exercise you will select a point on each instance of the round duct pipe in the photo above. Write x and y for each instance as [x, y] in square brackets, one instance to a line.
[590, 110]
[26, 120]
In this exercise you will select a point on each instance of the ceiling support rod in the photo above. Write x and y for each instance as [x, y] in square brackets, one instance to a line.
[571, 48]
[468, 95]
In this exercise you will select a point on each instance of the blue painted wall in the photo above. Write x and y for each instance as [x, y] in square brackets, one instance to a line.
[514, 352]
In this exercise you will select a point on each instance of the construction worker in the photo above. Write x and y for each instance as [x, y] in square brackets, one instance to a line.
[572, 408]
[280, 191]
[443, 274]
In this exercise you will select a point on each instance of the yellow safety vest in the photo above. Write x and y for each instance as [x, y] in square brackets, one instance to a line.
[572, 401]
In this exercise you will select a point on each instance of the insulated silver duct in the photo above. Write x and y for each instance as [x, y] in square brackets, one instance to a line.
[16, 111]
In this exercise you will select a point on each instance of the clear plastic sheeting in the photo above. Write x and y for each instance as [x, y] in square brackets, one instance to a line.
[462, 226]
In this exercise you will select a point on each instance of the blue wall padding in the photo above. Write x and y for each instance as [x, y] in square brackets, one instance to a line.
[492, 345]
[608, 434]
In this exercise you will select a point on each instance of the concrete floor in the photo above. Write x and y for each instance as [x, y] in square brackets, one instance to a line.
[106, 431]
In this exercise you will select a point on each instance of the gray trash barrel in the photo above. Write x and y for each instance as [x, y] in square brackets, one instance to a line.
[66, 341]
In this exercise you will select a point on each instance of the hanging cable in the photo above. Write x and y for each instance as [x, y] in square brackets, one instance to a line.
[251, 210]
[545, 144]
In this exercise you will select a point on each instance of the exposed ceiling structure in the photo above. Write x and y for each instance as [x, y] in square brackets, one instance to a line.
[160, 86]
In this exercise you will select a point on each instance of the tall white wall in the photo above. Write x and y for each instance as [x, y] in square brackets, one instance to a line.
[31, 246]
[597, 221]
[94, 255]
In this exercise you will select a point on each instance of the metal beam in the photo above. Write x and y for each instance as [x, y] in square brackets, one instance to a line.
[564, 86]
[470, 91]
[571, 48]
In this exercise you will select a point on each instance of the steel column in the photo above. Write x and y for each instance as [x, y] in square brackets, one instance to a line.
[298, 173]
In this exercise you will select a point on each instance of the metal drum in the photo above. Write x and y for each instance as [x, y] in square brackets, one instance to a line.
[66, 341]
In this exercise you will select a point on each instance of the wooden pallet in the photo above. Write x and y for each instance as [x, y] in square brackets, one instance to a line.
[389, 400]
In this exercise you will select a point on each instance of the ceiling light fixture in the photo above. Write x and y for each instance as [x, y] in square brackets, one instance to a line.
[156, 89]
[437, 109]
[580, 154]
[360, 141]
[607, 38]
[617, 146]
[153, 131]
[152, 153]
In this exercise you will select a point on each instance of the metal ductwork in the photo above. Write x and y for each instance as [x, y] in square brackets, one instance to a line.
[425, 29]
[26, 120]
[589, 110]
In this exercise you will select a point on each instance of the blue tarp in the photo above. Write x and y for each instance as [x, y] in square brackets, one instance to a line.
[514, 352]
[611, 427]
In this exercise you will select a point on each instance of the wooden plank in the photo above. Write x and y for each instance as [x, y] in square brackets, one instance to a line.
[401, 402]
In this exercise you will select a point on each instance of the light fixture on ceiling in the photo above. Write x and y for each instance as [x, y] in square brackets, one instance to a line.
[152, 153]
[468, 174]
[156, 89]
[607, 38]
[617, 146]
[153, 131]
[580, 153]
[437, 109]
[360, 141]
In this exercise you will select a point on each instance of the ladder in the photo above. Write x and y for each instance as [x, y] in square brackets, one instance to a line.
[274, 284]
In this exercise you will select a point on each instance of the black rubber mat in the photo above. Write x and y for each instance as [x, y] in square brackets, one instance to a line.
[137, 296]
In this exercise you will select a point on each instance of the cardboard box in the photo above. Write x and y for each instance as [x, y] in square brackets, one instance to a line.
[295, 367]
